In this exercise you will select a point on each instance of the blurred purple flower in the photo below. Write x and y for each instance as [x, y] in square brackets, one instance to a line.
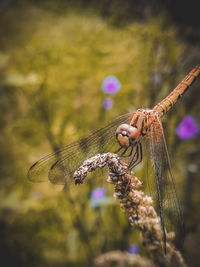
[188, 128]
[107, 103]
[111, 85]
[98, 193]
[133, 249]
[97, 197]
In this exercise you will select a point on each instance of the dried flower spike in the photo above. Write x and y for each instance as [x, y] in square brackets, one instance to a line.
[138, 206]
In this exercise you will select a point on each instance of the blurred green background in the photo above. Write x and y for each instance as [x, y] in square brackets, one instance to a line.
[54, 56]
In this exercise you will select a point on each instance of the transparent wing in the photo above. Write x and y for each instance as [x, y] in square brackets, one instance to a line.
[164, 182]
[58, 168]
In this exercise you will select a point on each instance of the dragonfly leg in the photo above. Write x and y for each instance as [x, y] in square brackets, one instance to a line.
[138, 159]
[132, 160]
[122, 155]
[118, 150]
[131, 152]
[140, 155]
[124, 152]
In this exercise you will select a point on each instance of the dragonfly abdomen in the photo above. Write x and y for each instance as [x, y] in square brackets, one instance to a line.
[178, 92]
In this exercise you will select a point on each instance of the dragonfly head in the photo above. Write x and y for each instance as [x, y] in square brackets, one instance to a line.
[126, 135]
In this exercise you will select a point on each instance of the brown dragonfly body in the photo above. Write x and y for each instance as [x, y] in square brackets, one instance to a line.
[146, 122]
[129, 131]
[178, 92]
[143, 118]
[139, 117]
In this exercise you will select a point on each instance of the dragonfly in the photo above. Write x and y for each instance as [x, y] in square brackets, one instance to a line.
[126, 135]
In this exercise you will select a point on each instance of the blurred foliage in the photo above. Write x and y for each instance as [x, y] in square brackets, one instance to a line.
[53, 59]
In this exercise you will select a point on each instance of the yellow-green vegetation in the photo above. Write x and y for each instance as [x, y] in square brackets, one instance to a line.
[52, 67]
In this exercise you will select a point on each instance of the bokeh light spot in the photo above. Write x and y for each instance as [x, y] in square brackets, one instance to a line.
[107, 103]
[133, 249]
[97, 197]
[188, 128]
[111, 85]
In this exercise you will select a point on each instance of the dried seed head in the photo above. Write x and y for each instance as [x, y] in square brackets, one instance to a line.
[138, 206]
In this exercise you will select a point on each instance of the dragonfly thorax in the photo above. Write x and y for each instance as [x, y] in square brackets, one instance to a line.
[126, 135]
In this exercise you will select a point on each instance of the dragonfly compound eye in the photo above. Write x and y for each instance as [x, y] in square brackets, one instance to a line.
[126, 135]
